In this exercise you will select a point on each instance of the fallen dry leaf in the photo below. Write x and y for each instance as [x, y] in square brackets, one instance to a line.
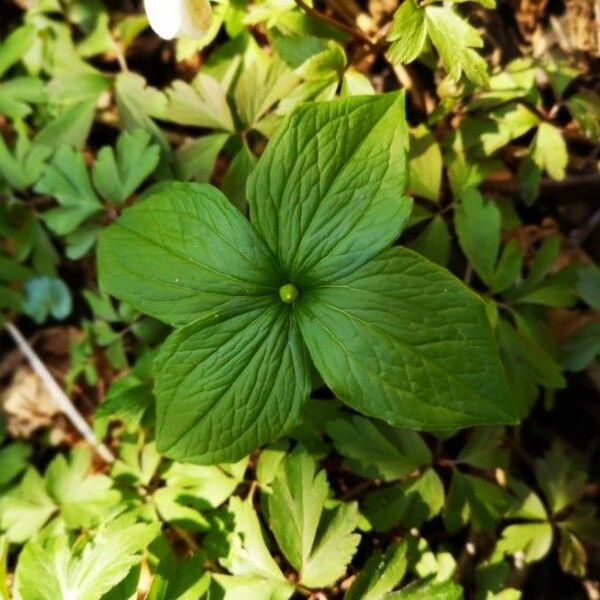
[27, 404]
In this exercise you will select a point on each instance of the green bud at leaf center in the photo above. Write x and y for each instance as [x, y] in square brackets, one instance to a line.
[288, 293]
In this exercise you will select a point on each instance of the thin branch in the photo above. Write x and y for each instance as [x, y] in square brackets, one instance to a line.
[351, 31]
[61, 399]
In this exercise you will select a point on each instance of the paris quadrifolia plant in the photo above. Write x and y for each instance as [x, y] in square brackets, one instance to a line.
[313, 278]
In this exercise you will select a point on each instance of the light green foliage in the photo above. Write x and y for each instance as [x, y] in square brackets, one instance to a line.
[454, 39]
[69, 182]
[24, 164]
[549, 151]
[249, 559]
[317, 541]
[115, 177]
[66, 492]
[52, 568]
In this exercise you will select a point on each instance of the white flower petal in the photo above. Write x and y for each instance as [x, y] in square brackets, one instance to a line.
[165, 16]
[175, 18]
[197, 18]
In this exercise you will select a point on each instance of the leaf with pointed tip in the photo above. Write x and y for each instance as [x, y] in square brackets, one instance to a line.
[228, 383]
[318, 543]
[430, 363]
[327, 194]
[185, 252]
[117, 175]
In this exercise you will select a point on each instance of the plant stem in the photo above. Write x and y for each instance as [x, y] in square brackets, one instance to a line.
[351, 31]
[58, 395]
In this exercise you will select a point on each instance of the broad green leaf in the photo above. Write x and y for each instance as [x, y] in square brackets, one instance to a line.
[327, 194]
[431, 363]
[318, 543]
[374, 449]
[478, 222]
[67, 179]
[186, 252]
[381, 574]
[228, 383]
[117, 175]
[50, 569]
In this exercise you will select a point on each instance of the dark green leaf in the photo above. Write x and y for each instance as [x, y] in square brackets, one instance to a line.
[430, 363]
[296, 202]
[228, 383]
[186, 252]
[374, 449]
